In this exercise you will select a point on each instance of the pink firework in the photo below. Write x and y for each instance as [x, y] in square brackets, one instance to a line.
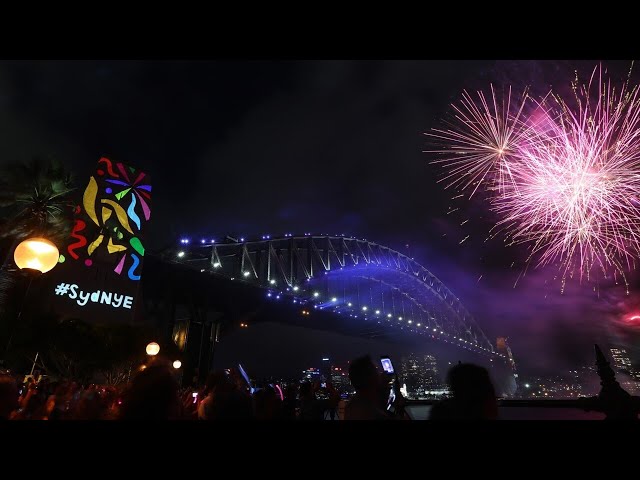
[574, 179]
[481, 140]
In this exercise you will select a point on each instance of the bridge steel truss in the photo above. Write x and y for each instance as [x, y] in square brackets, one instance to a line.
[302, 266]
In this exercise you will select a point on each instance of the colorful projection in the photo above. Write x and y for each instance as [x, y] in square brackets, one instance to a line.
[110, 222]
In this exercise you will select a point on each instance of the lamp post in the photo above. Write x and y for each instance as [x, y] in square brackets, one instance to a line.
[33, 256]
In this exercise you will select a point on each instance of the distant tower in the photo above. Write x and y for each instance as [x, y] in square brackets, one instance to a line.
[503, 347]
[325, 369]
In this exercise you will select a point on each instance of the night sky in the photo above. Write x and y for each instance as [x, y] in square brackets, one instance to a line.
[267, 147]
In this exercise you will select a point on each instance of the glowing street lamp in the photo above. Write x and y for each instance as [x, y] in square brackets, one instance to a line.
[177, 364]
[33, 256]
[153, 349]
[36, 254]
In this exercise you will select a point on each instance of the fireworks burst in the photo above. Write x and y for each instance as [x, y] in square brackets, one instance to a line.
[481, 140]
[568, 185]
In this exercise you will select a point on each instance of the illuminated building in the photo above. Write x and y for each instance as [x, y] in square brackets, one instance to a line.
[340, 380]
[311, 375]
[325, 369]
[627, 376]
[419, 375]
[621, 360]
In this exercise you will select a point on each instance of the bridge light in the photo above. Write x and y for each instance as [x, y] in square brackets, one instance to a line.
[316, 294]
[388, 315]
[399, 318]
[296, 288]
[213, 241]
[419, 324]
[216, 265]
[441, 331]
[364, 309]
[349, 304]
[334, 299]
[246, 274]
[435, 330]
[377, 312]
[186, 240]
[203, 241]
[269, 294]
[277, 297]
[180, 254]
[242, 239]
[272, 281]
[410, 321]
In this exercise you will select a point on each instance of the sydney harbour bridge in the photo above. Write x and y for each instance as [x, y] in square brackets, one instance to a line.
[204, 287]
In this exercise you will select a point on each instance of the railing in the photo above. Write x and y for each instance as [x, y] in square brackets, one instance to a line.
[511, 409]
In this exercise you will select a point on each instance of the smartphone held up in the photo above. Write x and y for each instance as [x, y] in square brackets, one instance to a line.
[387, 366]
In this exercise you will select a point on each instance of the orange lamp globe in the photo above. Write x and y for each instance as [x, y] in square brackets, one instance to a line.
[177, 364]
[153, 349]
[36, 254]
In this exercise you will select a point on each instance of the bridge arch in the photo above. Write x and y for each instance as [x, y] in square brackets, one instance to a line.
[330, 272]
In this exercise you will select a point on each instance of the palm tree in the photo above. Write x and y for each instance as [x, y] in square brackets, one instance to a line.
[35, 199]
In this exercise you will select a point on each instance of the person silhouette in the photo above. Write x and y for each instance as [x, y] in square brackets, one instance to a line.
[473, 395]
[371, 393]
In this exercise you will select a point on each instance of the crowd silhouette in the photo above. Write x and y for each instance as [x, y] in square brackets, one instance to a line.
[153, 393]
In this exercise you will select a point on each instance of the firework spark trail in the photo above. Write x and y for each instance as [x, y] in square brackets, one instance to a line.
[479, 144]
[563, 178]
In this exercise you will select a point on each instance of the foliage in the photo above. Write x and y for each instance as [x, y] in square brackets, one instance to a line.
[35, 198]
